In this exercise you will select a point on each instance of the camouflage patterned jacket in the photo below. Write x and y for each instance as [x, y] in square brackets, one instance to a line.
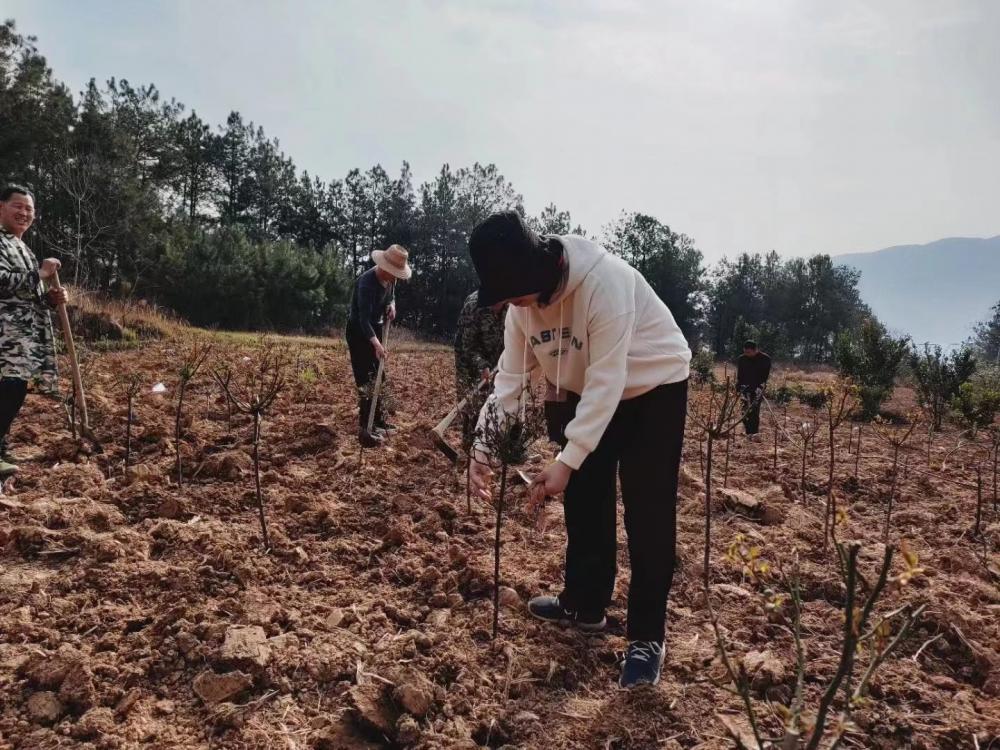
[27, 342]
[478, 343]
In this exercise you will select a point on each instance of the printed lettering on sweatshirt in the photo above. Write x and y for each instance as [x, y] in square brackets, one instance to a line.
[549, 335]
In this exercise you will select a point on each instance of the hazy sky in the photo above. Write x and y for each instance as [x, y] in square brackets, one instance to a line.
[795, 125]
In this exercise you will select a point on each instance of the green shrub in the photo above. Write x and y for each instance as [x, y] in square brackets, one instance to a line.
[870, 358]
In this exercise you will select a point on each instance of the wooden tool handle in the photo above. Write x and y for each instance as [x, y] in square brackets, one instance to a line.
[74, 364]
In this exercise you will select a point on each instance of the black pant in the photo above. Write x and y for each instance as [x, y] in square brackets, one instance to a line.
[751, 396]
[12, 393]
[364, 365]
[643, 445]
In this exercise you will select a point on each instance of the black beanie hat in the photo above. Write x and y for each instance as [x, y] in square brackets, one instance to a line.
[511, 260]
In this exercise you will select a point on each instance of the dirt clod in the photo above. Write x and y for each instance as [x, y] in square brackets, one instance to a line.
[44, 707]
[215, 688]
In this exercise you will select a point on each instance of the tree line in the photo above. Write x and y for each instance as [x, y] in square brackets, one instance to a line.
[142, 198]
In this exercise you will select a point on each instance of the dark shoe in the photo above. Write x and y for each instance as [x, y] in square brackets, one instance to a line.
[642, 664]
[549, 609]
[385, 426]
[370, 440]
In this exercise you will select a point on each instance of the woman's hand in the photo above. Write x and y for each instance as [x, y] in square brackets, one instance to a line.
[481, 477]
[552, 481]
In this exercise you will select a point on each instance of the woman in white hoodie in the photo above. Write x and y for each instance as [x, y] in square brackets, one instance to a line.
[617, 367]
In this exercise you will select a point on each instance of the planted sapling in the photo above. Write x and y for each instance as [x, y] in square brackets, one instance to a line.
[130, 384]
[896, 437]
[840, 403]
[191, 363]
[252, 391]
[503, 440]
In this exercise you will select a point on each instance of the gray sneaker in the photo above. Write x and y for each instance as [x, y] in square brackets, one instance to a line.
[642, 664]
[7, 468]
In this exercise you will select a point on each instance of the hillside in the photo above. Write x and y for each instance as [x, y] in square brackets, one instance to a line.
[934, 292]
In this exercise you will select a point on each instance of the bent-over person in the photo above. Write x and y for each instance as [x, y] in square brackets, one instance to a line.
[478, 345]
[372, 303]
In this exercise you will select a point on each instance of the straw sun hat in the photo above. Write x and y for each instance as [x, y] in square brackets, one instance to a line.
[393, 260]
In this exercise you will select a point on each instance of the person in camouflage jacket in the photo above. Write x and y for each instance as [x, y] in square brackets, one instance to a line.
[27, 341]
[478, 345]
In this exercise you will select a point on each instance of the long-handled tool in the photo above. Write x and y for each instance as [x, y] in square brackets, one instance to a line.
[437, 434]
[78, 396]
[377, 389]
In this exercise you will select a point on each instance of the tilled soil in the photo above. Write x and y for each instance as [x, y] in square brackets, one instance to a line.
[139, 614]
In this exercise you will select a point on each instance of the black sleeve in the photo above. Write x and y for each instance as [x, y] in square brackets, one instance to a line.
[366, 300]
[767, 370]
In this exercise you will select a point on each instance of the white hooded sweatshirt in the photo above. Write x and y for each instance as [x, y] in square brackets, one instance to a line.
[604, 336]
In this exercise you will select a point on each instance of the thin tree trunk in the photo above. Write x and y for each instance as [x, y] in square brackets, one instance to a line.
[496, 552]
[128, 439]
[979, 497]
[468, 484]
[930, 438]
[996, 450]
[831, 503]
[177, 432]
[857, 456]
[802, 485]
[776, 448]
[256, 478]
[708, 513]
[892, 491]
[725, 479]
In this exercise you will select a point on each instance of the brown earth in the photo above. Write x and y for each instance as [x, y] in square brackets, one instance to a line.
[137, 614]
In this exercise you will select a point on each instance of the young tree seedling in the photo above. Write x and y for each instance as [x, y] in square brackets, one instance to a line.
[253, 389]
[895, 436]
[716, 415]
[130, 384]
[503, 439]
[193, 360]
[840, 403]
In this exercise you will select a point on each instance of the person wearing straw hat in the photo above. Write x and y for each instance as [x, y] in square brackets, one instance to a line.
[617, 367]
[372, 303]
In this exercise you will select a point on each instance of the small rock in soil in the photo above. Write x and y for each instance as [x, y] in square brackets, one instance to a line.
[407, 730]
[372, 710]
[509, 597]
[764, 669]
[78, 690]
[215, 688]
[96, 722]
[415, 694]
[44, 708]
[246, 647]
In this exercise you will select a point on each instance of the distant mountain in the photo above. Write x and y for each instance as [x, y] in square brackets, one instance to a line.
[935, 292]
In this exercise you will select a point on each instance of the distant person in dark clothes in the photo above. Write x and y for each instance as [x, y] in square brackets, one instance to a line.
[373, 302]
[753, 368]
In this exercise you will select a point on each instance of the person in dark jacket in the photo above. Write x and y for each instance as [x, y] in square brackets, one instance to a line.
[753, 368]
[373, 302]
[478, 345]
[27, 342]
